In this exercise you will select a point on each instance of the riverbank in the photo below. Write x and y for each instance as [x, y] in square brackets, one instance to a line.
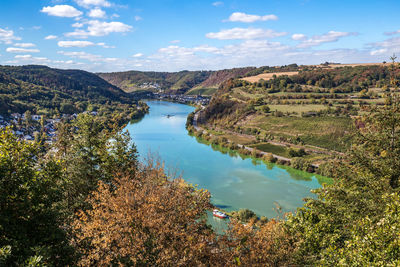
[305, 159]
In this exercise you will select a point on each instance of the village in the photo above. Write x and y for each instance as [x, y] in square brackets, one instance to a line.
[183, 99]
[35, 127]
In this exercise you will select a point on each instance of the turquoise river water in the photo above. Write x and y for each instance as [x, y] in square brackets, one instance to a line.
[234, 182]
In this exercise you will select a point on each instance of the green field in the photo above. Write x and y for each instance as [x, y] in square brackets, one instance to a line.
[326, 132]
[274, 149]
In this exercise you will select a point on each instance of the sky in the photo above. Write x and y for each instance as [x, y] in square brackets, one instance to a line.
[174, 35]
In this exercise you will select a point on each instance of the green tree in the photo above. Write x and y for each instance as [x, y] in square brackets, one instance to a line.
[30, 193]
[369, 172]
[89, 152]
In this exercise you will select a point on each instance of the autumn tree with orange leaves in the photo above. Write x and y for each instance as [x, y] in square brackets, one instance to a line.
[145, 219]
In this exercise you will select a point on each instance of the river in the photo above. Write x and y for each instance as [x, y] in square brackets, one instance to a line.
[233, 182]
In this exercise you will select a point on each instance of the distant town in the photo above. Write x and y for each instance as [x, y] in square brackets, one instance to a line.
[184, 99]
[35, 127]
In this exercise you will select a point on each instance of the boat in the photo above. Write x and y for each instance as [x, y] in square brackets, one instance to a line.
[169, 116]
[219, 214]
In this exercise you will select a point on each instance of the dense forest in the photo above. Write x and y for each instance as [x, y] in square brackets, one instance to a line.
[51, 92]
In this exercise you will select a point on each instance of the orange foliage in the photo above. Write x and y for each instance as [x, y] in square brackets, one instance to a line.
[147, 219]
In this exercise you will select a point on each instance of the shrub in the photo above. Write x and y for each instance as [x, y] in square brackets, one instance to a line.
[297, 153]
[245, 215]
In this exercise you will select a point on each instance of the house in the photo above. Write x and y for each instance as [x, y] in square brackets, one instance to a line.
[16, 116]
[28, 137]
[36, 117]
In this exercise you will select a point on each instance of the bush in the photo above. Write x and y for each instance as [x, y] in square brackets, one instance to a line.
[297, 153]
[282, 162]
[269, 158]
[264, 220]
[265, 109]
[245, 215]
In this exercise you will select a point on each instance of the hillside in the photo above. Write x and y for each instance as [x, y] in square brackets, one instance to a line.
[45, 90]
[190, 82]
[313, 110]
[179, 82]
[209, 86]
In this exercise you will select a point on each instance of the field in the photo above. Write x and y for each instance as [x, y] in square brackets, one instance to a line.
[325, 132]
[283, 151]
[268, 76]
[274, 149]
[297, 108]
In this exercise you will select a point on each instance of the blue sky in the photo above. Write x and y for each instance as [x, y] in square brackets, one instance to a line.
[167, 35]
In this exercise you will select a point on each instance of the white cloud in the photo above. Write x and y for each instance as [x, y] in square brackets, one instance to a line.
[138, 55]
[77, 25]
[392, 33]
[50, 37]
[138, 18]
[331, 36]
[218, 3]
[206, 49]
[87, 56]
[88, 3]
[104, 45]
[389, 43]
[97, 13]
[387, 47]
[75, 44]
[61, 11]
[98, 28]
[175, 41]
[378, 52]
[21, 50]
[249, 52]
[23, 56]
[29, 59]
[25, 45]
[7, 36]
[244, 33]
[247, 18]
[298, 36]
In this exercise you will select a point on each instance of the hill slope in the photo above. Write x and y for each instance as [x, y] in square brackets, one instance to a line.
[36, 88]
[180, 82]
[190, 82]
[209, 86]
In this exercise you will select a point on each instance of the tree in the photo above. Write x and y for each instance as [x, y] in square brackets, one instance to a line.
[369, 172]
[30, 194]
[90, 152]
[146, 219]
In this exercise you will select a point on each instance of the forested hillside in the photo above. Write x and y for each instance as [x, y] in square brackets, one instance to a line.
[169, 81]
[46, 91]
[173, 82]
